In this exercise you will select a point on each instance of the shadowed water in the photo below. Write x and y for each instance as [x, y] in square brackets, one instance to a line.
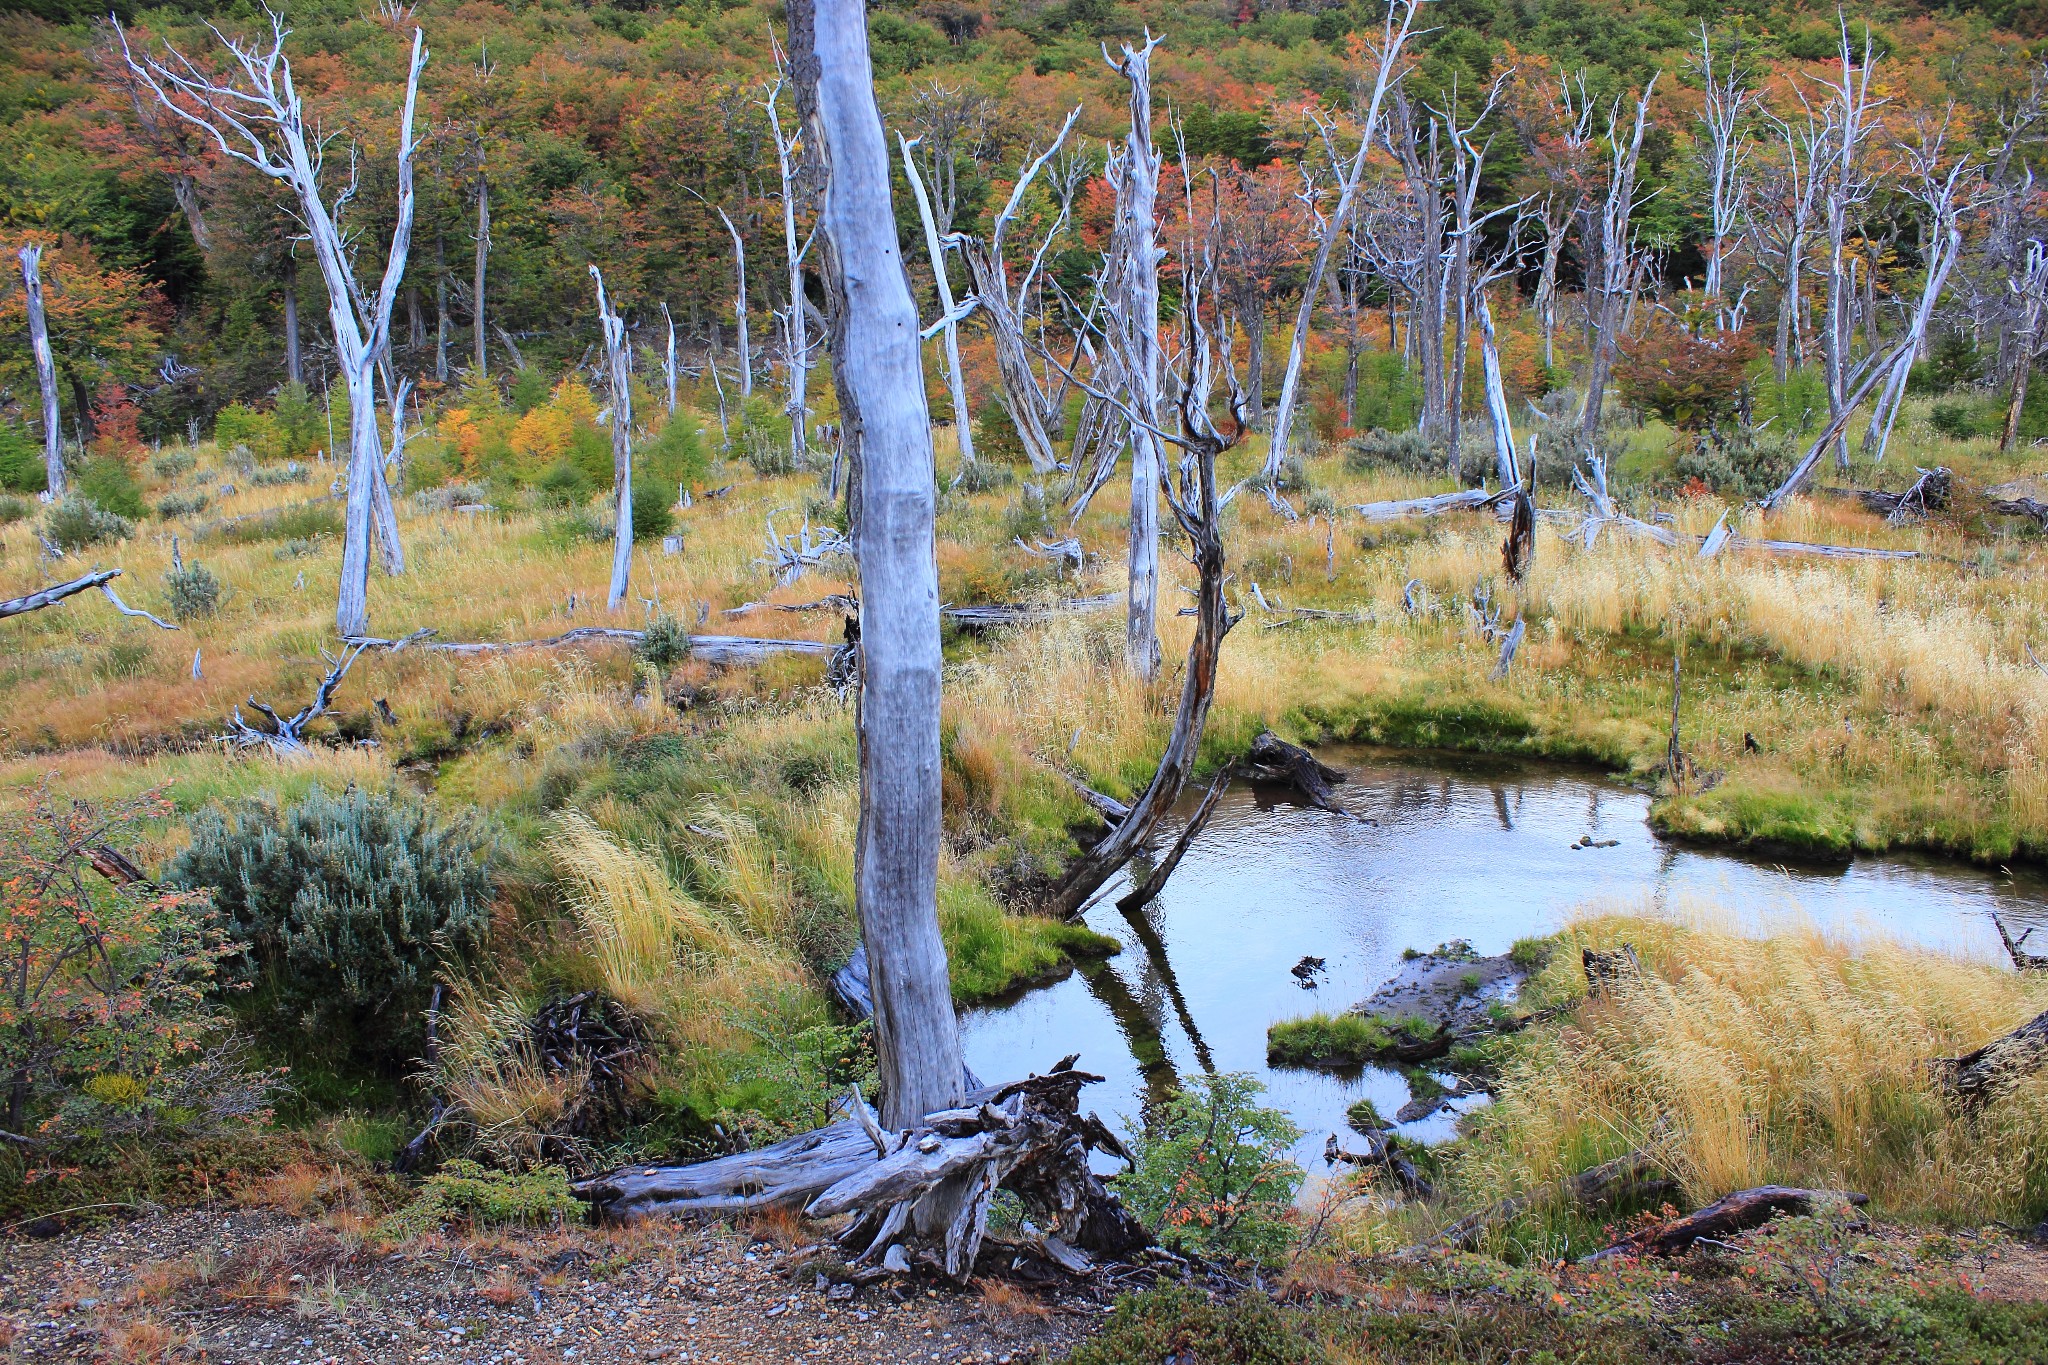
[1462, 850]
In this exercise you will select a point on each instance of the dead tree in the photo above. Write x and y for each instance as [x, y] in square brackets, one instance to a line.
[31, 257]
[2029, 287]
[51, 596]
[668, 359]
[1987, 1072]
[956, 383]
[796, 345]
[483, 254]
[1003, 307]
[1727, 97]
[1847, 188]
[1132, 302]
[1782, 232]
[739, 306]
[1943, 237]
[618, 367]
[1618, 261]
[880, 379]
[1331, 230]
[257, 117]
[287, 736]
[1724, 1217]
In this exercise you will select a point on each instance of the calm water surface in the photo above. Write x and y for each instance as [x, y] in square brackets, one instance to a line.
[1463, 849]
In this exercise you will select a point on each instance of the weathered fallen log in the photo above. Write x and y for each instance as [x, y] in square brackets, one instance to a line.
[1636, 1175]
[1001, 615]
[1027, 1136]
[1610, 967]
[1734, 1213]
[1397, 509]
[1928, 493]
[1273, 759]
[1989, 1071]
[722, 650]
[1112, 811]
[1383, 1155]
[2023, 507]
[50, 596]
[2015, 948]
[831, 601]
[1156, 882]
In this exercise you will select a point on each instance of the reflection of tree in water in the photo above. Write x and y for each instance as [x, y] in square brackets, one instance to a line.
[1500, 808]
[1141, 1028]
[1161, 970]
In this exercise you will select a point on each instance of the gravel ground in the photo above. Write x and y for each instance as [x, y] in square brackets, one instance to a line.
[240, 1285]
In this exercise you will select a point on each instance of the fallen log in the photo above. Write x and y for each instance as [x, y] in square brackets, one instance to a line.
[50, 596]
[287, 737]
[713, 649]
[1610, 967]
[2015, 948]
[1397, 509]
[2023, 507]
[1635, 1175]
[1987, 1072]
[1001, 615]
[1724, 1217]
[1381, 1154]
[1928, 493]
[831, 601]
[1273, 759]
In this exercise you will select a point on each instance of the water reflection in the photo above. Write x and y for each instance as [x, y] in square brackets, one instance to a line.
[1460, 850]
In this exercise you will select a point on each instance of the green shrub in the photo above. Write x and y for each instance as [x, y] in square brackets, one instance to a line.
[195, 592]
[1389, 396]
[467, 1195]
[274, 476]
[530, 388]
[666, 643]
[996, 443]
[174, 464]
[985, 475]
[15, 509]
[1797, 407]
[1958, 421]
[300, 424]
[21, 461]
[110, 484]
[1029, 517]
[240, 425]
[1409, 451]
[1211, 1173]
[1737, 462]
[762, 437]
[77, 523]
[350, 905]
[675, 456]
[174, 506]
[654, 511]
[301, 521]
[564, 485]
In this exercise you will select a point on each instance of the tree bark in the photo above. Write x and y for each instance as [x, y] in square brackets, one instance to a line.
[46, 368]
[1136, 312]
[887, 429]
[618, 366]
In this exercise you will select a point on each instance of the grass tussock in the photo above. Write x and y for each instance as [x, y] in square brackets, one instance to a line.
[1795, 1059]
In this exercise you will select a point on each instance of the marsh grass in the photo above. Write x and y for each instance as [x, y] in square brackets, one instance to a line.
[1740, 1059]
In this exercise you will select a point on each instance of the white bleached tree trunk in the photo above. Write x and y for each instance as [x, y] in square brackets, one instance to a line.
[1619, 262]
[880, 378]
[668, 360]
[1849, 114]
[1726, 100]
[1328, 234]
[618, 366]
[935, 247]
[256, 117]
[739, 307]
[46, 368]
[1134, 304]
[795, 331]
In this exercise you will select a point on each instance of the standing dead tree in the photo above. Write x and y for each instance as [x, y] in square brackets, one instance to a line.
[739, 305]
[257, 117]
[31, 258]
[1781, 216]
[1616, 260]
[1332, 229]
[1727, 98]
[1132, 303]
[1942, 237]
[1004, 308]
[935, 248]
[618, 368]
[2029, 287]
[796, 345]
[1847, 187]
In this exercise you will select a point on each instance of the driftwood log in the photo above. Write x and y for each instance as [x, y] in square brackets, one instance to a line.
[287, 737]
[1273, 759]
[1469, 499]
[1002, 615]
[1928, 493]
[1735, 1213]
[2016, 948]
[1607, 968]
[720, 650]
[1027, 1137]
[1991, 1070]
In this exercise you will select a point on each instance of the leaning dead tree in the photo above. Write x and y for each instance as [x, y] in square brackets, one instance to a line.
[618, 366]
[255, 116]
[31, 258]
[1330, 231]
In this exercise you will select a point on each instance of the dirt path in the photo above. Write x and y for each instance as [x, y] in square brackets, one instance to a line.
[232, 1286]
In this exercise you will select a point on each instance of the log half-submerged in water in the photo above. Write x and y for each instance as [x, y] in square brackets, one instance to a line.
[1273, 759]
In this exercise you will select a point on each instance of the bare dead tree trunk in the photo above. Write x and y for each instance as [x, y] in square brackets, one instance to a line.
[294, 365]
[2030, 285]
[668, 360]
[1943, 245]
[1620, 261]
[1134, 305]
[796, 344]
[1848, 111]
[739, 307]
[483, 252]
[259, 120]
[619, 364]
[31, 258]
[441, 308]
[935, 248]
[886, 427]
[1726, 99]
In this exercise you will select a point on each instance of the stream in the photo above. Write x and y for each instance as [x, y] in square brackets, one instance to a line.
[1478, 850]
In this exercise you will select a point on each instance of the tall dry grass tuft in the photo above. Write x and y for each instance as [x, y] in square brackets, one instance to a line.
[665, 955]
[1796, 1059]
